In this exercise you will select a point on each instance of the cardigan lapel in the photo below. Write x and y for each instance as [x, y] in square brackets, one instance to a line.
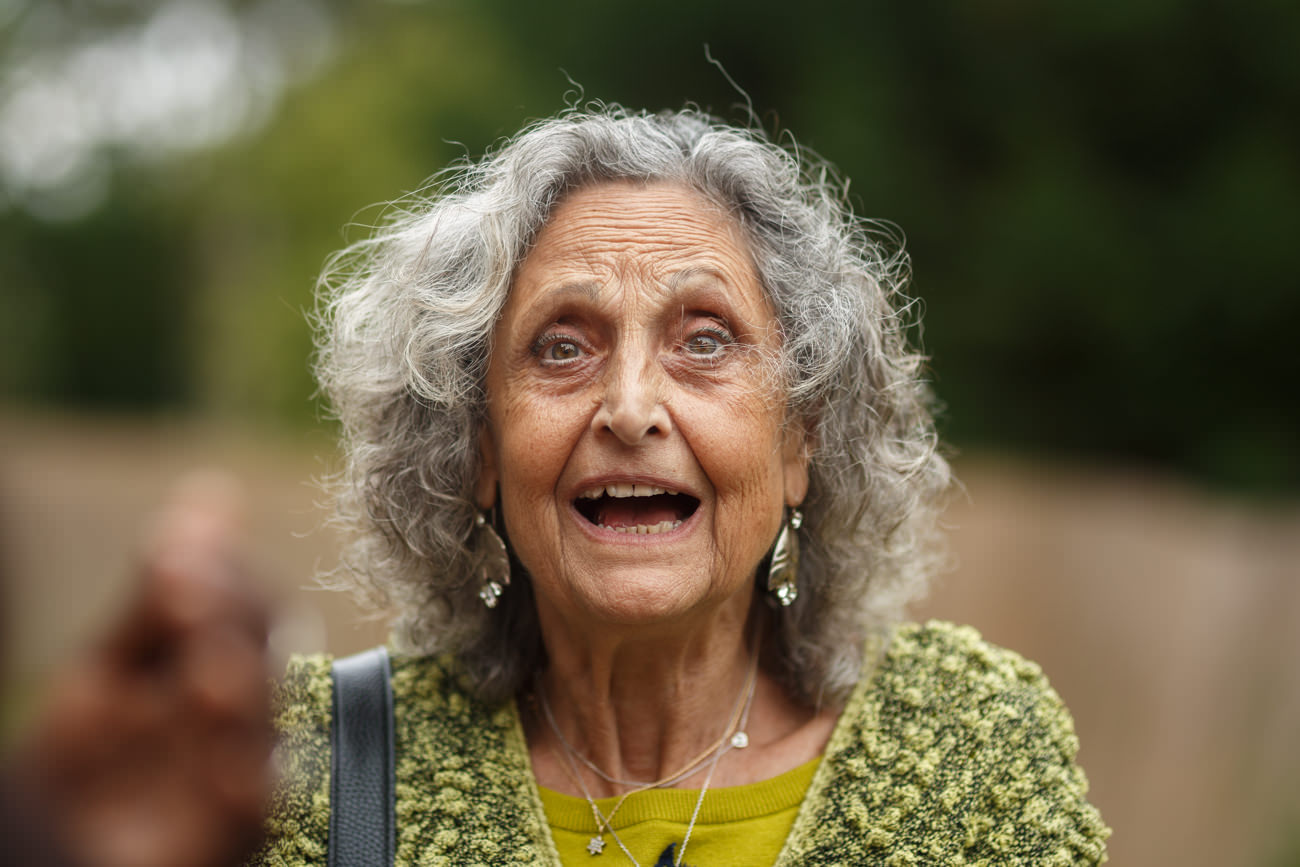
[465, 787]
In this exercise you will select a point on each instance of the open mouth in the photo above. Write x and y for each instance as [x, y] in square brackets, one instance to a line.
[642, 509]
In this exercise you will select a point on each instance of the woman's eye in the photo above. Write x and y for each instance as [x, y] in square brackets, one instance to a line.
[706, 343]
[561, 350]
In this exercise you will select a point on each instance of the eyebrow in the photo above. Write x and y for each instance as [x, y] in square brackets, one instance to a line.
[716, 285]
[676, 280]
[701, 283]
[587, 289]
[676, 283]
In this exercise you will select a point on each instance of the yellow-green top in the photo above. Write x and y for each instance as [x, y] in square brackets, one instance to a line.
[738, 826]
[950, 752]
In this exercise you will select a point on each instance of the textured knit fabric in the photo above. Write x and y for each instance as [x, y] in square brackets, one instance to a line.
[737, 826]
[950, 752]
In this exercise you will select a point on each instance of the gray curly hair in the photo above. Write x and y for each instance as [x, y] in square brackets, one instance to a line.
[405, 332]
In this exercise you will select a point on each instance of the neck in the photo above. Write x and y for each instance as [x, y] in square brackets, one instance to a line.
[643, 706]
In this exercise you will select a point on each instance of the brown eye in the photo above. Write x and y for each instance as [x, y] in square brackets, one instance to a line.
[706, 343]
[561, 350]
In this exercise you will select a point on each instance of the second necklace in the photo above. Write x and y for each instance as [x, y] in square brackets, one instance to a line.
[733, 736]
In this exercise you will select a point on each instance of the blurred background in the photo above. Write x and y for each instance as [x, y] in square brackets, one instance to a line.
[1101, 201]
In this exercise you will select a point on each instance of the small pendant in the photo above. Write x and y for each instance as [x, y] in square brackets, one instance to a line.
[596, 845]
[740, 740]
[490, 594]
[786, 593]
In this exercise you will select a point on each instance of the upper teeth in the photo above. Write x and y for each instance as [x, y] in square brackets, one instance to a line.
[625, 489]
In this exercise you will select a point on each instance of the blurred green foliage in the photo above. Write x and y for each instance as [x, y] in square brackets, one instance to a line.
[1100, 201]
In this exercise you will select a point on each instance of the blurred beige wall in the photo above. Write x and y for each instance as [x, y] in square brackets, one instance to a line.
[1168, 619]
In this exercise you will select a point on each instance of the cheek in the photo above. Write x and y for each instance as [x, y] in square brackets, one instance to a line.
[749, 510]
[529, 463]
[534, 441]
[739, 449]
[524, 465]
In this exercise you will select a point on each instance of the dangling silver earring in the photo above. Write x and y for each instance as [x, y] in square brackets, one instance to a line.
[494, 562]
[783, 568]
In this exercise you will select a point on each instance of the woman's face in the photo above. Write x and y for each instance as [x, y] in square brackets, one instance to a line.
[635, 429]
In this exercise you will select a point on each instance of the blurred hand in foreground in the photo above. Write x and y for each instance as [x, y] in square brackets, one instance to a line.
[154, 749]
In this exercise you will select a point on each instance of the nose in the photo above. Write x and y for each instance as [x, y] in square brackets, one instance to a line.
[633, 404]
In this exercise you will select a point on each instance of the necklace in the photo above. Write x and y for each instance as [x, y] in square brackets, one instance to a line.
[728, 741]
[733, 733]
[605, 823]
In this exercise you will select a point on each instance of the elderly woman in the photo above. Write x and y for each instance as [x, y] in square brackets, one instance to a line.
[639, 452]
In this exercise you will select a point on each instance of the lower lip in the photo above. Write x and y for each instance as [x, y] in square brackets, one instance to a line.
[601, 534]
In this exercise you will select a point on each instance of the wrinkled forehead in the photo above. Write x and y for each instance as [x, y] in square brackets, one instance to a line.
[655, 238]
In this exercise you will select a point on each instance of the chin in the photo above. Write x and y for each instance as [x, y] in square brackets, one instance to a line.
[648, 598]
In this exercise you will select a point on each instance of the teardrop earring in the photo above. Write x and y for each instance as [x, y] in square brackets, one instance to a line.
[494, 562]
[783, 567]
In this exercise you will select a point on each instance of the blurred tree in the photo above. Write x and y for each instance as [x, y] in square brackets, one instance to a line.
[92, 315]
[408, 94]
[1099, 198]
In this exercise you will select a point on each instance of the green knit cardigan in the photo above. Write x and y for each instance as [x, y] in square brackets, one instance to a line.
[949, 752]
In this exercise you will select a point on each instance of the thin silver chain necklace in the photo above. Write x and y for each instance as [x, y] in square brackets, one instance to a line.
[734, 732]
[733, 737]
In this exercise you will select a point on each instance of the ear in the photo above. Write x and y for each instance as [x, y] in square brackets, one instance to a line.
[485, 487]
[796, 451]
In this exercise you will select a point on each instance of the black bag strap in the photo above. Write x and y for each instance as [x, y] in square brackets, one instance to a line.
[362, 808]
